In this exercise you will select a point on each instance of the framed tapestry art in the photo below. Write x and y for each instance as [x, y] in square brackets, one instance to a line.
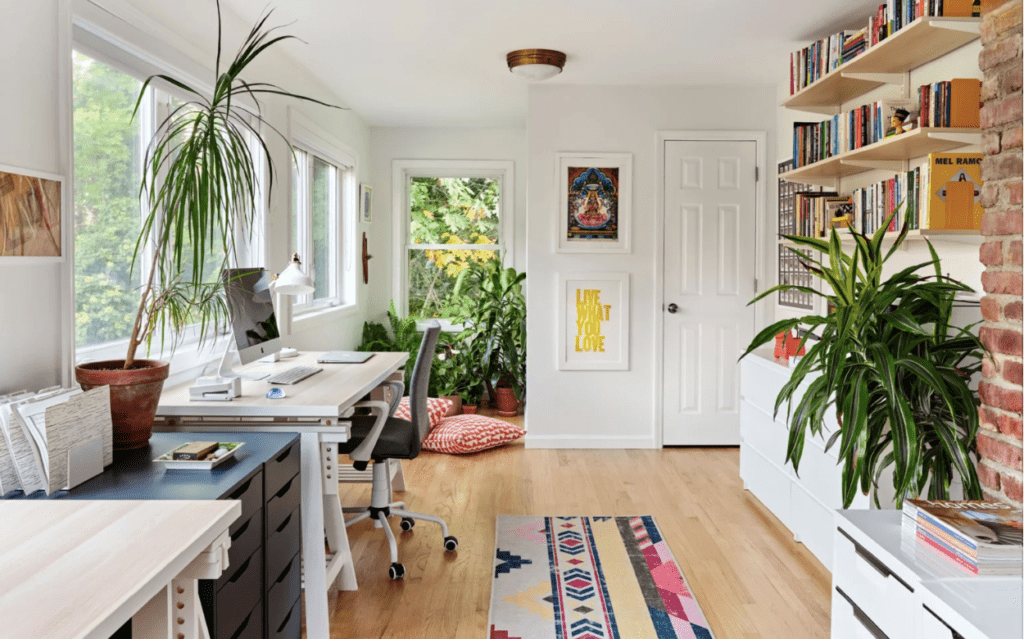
[594, 202]
[30, 214]
[365, 203]
[593, 322]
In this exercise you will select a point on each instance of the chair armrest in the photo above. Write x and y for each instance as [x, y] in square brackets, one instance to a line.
[361, 455]
[398, 387]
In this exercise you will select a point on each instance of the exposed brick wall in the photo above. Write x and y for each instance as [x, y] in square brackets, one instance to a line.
[999, 443]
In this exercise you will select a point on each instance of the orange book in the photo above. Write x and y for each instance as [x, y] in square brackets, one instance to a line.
[965, 102]
[957, 8]
[954, 191]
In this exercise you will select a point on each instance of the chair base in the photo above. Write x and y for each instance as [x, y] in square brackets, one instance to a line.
[381, 507]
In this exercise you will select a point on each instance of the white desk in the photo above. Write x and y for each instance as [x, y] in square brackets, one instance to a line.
[81, 569]
[312, 409]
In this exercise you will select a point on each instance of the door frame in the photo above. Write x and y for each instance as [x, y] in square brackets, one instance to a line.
[760, 139]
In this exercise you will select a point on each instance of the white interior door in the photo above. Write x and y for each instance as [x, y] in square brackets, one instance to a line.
[710, 206]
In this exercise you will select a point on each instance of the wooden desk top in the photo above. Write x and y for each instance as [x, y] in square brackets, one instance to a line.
[326, 394]
[81, 569]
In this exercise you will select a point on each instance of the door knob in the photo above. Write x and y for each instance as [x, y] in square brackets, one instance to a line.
[672, 308]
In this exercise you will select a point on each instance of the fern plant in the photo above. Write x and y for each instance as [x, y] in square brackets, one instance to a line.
[893, 366]
[200, 183]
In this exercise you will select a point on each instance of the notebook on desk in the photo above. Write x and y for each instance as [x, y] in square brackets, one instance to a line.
[343, 357]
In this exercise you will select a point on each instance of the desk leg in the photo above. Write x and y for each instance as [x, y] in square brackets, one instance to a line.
[334, 521]
[313, 556]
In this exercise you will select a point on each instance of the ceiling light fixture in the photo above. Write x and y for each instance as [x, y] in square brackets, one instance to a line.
[536, 64]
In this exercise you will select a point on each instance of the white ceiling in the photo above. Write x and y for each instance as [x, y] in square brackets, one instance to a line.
[442, 62]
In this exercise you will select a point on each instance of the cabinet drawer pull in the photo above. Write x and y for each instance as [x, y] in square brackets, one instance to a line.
[241, 489]
[864, 620]
[241, 570]
[286, 619]
[284, 524]
[241, 531]
[953, 633]
[873, 561]
[241, 629]
[283, 456]
[285, 573]
[284, 489]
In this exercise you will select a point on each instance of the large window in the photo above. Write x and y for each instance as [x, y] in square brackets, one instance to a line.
[109, 150]
[454, 217]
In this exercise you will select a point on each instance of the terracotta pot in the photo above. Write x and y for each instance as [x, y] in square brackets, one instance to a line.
[456, 407]
[468, 410]
[505, 401]
[134, 395]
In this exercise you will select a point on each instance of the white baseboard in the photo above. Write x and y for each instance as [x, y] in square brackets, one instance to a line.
[588, 441]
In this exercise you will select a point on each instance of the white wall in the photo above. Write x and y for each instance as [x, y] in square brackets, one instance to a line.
[610, 408]
[30, 334]
[959, 259]
[398, 143]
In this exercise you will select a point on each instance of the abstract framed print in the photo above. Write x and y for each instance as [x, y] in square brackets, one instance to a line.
[365, 203]
[31, 215]
[595, 201]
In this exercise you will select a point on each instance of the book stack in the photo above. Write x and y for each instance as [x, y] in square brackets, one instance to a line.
[902, 194]
[854, 45]
[954, 103]
[810, 64]
[977, 537]
[864, 125]
[818, 213]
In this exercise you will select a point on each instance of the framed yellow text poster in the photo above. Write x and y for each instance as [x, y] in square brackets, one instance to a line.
[593, 321]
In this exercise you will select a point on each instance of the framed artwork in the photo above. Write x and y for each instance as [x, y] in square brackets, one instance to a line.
[593, 321]
[31, 217]
[595, 202]
[365, 203]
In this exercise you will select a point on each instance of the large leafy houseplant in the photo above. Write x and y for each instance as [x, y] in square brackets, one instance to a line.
[200, 185]
[400, 335]
[893, 366]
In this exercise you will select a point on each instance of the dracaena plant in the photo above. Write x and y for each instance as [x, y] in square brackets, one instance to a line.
[201, 184]
[893, 366]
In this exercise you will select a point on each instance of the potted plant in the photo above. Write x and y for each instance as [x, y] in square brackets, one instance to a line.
[446, 378]
[400, 335]
[892, 364]
[199, 184]
[497, 324]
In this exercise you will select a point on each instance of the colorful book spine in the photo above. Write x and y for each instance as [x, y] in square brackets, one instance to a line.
[948, 554]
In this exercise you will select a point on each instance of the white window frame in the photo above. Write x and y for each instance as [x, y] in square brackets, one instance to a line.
[186, 353]
[401, 179]
[307, 136]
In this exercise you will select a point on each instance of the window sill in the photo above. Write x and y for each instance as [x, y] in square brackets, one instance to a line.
[318, 317]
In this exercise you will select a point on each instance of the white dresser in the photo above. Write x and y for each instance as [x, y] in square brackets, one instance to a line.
[884, 586]
[805, 504]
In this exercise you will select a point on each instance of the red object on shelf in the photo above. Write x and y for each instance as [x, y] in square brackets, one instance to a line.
[781, 347]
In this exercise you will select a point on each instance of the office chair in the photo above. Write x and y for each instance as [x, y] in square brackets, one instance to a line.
[381, 437]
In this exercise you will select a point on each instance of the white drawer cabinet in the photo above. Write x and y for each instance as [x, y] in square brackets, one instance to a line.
[881, 589]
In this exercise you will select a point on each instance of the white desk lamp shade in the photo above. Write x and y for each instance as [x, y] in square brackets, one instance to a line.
[292, 281]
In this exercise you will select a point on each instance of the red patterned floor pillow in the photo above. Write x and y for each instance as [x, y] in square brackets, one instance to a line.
[470, 434]
[436, 408]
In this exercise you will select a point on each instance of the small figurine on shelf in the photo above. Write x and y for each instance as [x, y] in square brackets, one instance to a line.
[899, 123]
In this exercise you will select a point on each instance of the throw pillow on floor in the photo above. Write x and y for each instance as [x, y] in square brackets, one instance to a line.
[470, 434]
[436, 408]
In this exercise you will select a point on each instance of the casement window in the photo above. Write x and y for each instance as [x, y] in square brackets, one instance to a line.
[449, 215]
[109, 150]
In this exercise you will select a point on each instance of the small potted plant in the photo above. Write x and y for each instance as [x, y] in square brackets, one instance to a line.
[200, 183]
[471, 393]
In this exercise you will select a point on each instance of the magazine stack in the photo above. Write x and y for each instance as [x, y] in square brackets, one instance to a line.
[979, 537]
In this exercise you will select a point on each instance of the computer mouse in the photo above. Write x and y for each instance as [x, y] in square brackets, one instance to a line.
[275, 393]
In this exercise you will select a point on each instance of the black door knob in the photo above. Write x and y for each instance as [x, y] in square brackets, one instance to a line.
[672, 308]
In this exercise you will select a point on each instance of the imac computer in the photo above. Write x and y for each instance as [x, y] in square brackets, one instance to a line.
[251, 306]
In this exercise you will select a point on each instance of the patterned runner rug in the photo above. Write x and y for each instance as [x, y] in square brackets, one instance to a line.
[589, 578]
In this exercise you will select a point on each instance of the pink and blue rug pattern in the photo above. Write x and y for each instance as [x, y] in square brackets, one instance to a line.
[589, 578]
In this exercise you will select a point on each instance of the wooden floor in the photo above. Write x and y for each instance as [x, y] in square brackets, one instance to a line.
[750, 577]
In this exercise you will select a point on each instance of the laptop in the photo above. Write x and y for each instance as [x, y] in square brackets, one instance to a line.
[343, 357]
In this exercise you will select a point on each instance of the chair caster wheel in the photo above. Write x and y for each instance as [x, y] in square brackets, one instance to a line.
[407, 523]
[396, 571]
[451, 543]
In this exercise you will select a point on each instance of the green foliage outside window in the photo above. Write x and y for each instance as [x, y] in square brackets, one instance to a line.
[450, 211]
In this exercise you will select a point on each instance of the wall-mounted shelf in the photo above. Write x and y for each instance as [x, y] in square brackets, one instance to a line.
[933, 235]
[918, 43]
[885, 154]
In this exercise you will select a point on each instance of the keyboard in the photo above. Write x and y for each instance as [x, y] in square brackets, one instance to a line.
[294, 375]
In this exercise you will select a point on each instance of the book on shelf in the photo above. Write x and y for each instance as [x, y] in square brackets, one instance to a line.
[954, 191]
[981, 537]
[953, 103]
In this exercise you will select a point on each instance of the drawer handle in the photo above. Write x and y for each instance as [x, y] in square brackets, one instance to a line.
[241, 531]
[241, 491]
[864, 620]
[285, 573]
[286, 620]
[285, 488]
[284, 524]
[241, 571]
[245, 624]
[953, 633]
[873, 561]
[284, 455]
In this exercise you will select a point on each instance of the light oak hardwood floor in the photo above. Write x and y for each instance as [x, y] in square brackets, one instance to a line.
[750, 577]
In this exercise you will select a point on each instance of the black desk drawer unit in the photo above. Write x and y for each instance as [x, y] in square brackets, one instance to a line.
[257, 597]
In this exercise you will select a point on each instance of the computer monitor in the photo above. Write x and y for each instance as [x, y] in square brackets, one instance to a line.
[251, 305]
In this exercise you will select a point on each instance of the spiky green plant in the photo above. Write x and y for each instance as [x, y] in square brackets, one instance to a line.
[201, 185]
[889, 360]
